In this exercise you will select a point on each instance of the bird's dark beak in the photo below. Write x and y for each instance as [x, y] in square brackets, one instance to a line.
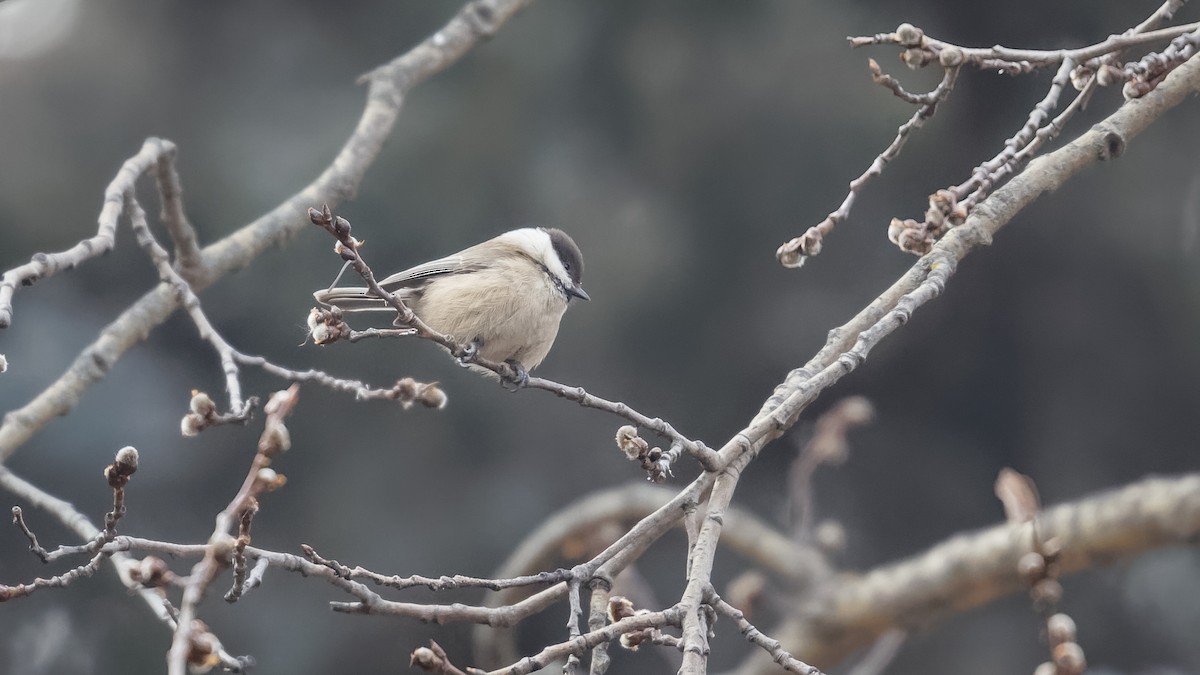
[578, 292]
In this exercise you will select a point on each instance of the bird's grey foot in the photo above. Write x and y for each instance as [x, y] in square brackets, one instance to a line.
[469, 351]
[518, 378]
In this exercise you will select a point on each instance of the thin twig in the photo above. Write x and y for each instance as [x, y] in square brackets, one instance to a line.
[435, 584]
[220, 546]
[772, 646]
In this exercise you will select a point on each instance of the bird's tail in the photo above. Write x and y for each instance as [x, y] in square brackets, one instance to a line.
[353, 299]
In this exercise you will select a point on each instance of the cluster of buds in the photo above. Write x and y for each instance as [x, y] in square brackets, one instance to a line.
[793, 253]
[203, 649]
[911, 236]
[1143, 76]
[916, 53]
[655, 461]
[268, 480]
[409, 391]
[1105, 75]
[339, 227]
[621, 607]
[326, 325]
[944, 212]
[202, 414]
[276, 439]
[1039, 571]
[124, 465]
[1066, 655]
[151, 572]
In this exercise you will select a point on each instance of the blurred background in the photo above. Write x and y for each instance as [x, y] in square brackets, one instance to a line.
[679, 143]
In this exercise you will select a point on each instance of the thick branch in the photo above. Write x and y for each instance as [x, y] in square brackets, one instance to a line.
[969, 570]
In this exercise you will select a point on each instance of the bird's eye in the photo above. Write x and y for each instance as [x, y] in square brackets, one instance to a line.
[567, 266]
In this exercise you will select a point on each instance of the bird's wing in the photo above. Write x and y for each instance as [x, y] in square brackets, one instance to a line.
[360, 299]
[413, 275]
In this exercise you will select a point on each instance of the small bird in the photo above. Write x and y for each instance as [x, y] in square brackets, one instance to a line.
[504, 296]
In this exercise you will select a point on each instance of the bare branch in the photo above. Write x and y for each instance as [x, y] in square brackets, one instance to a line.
[772, 646]
[969, 570]
[793, 253]
[187, 247]
[45, 265]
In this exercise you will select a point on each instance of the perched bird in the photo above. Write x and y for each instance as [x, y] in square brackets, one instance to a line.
[504, 296]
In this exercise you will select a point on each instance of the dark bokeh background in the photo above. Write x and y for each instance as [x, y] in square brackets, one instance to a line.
[680, 143]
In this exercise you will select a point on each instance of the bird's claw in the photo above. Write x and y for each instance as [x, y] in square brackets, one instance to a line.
[467, 356]
[518, 377]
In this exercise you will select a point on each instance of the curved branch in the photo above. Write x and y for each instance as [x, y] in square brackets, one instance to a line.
[969, 570]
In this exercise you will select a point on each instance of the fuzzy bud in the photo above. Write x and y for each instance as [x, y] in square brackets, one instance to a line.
[630, 443]
[202, 404]
[203, 649]
[409, 391]
[348, 252]
[1081, 76]
[909, 35]
[321, 334]
[222, 544]
[191, 425]
[151, 572]
[619, 607]
[958, 215]
[117, 474]
[3, 363]
[916, 57]
[1046, 594]
[789, 254]
[1069, 659]
[432, 396]
[950, 57]
[1134, 89]
[1108, 75]
[632, 640]
[1060, 628]
[127, 458]
[275, 439]
[424, 658]
[269, 480]
[277, 401]
[1031, 567]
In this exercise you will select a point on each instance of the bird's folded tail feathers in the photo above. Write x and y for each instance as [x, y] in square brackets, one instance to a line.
[352, 299]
